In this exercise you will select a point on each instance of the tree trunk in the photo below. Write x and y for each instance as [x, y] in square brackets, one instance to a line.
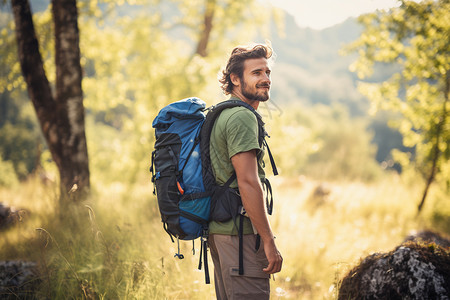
[202, 45]
[72, 149]
[61, 116]
[436, 150]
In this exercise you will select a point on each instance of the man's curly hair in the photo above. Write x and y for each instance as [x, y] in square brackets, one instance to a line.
[236, 61]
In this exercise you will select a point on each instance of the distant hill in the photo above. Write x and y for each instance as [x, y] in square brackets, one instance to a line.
[309, 68]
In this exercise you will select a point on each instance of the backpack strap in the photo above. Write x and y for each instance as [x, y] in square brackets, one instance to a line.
[152, 168]
[272, 161]
[204, 254]
[241, 244]
[268, 188]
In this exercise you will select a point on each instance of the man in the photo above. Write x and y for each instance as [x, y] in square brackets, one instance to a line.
[235, 148]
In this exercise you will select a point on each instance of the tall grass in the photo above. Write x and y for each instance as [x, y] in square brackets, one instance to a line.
[113, 245]
[323, 234]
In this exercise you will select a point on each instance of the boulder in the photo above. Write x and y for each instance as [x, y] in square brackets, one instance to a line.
[412, 271]
[429, 236]
[18, 279]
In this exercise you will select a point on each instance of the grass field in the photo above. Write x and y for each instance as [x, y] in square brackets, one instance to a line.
[113, 246]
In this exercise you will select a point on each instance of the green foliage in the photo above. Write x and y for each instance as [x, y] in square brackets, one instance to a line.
[8, 177]
[19, 135]
[386, 137]
[440, 213]
[19, 146]
[345, 151]
[10, 73]
[322, 142]
[415, 38]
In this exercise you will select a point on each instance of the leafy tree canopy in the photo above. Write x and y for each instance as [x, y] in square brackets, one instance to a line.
[415, 37]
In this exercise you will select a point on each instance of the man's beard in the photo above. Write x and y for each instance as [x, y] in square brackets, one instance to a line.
[261, 97]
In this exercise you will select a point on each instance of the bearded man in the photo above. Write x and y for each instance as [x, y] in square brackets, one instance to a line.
[235, 149]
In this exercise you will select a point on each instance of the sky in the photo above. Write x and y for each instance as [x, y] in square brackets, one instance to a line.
[320, 14]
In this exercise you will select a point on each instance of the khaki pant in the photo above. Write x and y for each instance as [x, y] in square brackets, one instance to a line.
[229, 285]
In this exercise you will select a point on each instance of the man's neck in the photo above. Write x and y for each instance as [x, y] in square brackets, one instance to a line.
[253, 103]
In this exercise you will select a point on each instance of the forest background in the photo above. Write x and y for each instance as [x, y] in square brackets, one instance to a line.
[353, 167]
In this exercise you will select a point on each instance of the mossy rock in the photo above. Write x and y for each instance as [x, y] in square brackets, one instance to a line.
[18, 279]
[414, 270]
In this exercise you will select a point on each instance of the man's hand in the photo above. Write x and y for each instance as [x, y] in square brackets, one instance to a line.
[273, 256]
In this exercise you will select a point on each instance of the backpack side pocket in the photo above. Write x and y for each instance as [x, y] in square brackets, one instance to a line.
[168, 147]
[225, 203]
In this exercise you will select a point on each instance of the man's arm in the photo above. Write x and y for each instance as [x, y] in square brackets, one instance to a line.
[246, 167]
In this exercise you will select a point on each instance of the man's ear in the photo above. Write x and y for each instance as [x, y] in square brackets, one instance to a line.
[235, 79]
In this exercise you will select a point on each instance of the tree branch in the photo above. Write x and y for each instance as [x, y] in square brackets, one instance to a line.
[202, 45]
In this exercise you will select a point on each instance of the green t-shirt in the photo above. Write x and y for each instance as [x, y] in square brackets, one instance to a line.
[235, 131]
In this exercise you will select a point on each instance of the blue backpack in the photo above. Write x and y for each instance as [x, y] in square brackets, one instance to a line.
[187, 193]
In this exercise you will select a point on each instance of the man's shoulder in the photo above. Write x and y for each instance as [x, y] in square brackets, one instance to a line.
[238, 113]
